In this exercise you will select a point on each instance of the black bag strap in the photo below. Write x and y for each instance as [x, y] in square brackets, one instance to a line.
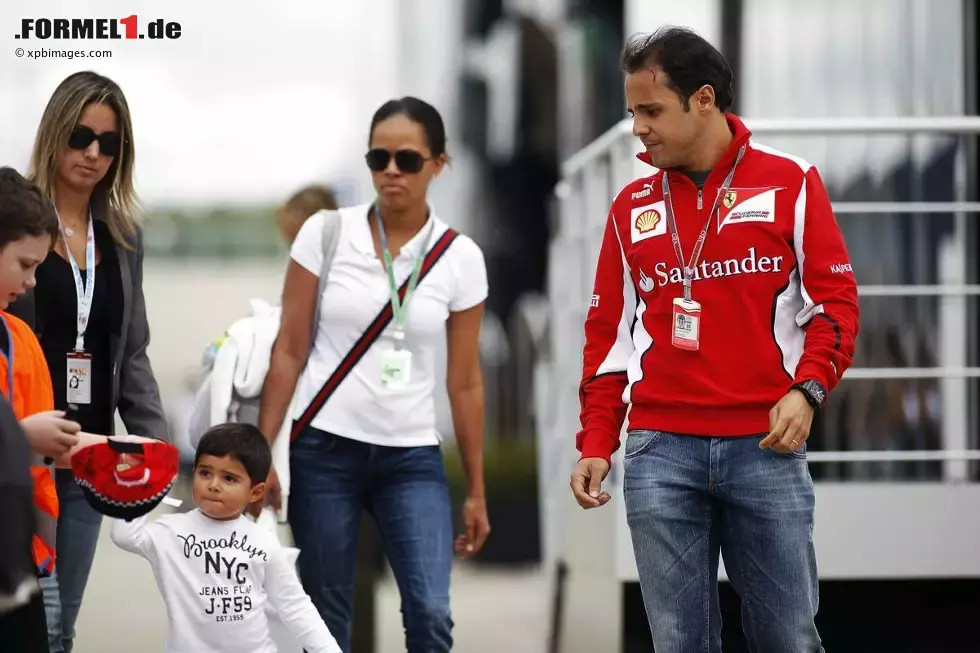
[368, 338]
[5, 343]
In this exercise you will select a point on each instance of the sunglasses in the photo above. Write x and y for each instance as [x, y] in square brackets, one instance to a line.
[109, 142]
[408, 161]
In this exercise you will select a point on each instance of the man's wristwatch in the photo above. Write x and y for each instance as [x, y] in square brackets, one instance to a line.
[814, 392]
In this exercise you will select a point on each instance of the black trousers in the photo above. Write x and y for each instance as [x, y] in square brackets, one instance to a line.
[25, 629]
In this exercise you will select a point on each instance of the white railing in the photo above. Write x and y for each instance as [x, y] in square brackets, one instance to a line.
[924, 290]
[948, 126]
[593, 176]
[890, 456]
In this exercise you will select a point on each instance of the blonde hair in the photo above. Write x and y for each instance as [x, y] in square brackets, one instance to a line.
[115, 195]
[298, 208]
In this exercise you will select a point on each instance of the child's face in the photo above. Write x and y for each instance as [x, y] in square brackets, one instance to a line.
[18, 262]
[222, 488]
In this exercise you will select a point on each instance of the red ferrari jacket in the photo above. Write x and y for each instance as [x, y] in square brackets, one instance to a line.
[775, 285]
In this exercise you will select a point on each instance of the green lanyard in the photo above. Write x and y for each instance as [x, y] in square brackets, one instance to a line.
[398, 307]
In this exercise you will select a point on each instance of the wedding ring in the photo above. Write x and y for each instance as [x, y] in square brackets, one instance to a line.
[795, 443]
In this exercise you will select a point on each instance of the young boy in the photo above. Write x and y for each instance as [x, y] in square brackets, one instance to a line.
[216, 568]
[28, 229]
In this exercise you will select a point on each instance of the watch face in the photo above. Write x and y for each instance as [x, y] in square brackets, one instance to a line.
[816, 391]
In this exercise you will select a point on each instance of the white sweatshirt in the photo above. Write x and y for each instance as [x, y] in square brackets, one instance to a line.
[215, 577]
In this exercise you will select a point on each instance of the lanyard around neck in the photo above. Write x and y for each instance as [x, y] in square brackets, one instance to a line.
[84, 292]
[699, 243]
[399, 307]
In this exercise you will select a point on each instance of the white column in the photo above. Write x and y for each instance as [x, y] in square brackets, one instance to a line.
[430, 43]
[703, 16]
[953, 337]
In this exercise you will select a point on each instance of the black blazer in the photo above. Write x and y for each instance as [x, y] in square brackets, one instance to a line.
[135, 392]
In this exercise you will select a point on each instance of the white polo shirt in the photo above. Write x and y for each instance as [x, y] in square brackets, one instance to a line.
[356, 291]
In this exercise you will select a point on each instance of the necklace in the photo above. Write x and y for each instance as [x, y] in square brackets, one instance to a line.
[65, 229]
[68, 231]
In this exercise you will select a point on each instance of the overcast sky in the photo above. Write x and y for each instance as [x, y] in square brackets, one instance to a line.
[258, 97]
[254, 99]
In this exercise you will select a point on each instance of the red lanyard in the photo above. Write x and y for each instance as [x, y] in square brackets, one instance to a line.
[699, 244]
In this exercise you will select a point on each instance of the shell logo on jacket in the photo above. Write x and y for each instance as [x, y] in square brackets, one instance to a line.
[647, 221]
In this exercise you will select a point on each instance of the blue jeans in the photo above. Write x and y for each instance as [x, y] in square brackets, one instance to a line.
[687, 498]
[78, 536]
[404, 489]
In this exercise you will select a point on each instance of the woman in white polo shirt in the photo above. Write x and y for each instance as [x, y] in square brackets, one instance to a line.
[364, 434]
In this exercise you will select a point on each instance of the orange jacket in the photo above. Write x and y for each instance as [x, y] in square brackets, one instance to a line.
[32, 393]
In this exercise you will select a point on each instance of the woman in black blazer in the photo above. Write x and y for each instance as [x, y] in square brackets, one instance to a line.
[94, 336]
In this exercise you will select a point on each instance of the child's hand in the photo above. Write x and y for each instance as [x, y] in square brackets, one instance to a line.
[50, 434]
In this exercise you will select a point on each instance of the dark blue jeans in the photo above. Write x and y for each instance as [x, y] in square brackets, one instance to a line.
[404, 489]
[689, 498]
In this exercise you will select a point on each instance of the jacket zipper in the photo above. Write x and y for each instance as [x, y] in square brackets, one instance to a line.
[700, 199]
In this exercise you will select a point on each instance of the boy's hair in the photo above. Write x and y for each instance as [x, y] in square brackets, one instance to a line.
[243, 442]
[304, 203]
[24, 209]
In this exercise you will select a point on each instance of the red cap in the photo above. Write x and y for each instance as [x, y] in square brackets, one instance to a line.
[126, 491]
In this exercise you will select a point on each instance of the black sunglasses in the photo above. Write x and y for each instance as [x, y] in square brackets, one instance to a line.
[109, 142]
[408, 161]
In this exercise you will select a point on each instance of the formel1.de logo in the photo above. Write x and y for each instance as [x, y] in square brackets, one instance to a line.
[130, 27]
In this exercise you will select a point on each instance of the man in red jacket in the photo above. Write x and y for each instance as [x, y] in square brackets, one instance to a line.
[724, 311]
